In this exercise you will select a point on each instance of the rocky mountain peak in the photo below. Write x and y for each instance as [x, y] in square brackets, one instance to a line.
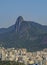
[20, 19]
[18, 22]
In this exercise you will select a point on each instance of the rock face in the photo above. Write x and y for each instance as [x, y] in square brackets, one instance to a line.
[18, 22]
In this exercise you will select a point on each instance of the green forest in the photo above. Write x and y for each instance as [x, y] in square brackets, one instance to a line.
[10, 63]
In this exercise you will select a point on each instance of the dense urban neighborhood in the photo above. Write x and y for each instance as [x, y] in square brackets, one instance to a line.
[21, 55]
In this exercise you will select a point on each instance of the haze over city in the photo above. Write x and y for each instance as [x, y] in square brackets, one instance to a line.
[33, 10]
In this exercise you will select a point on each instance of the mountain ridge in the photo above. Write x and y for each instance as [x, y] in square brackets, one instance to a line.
[24, 34]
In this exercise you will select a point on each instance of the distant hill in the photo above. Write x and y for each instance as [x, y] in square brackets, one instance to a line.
[24, 34]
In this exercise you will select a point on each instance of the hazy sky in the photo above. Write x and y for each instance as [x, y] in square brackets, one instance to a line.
[34, 10]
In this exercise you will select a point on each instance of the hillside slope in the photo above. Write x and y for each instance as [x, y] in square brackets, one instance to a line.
[24, 34]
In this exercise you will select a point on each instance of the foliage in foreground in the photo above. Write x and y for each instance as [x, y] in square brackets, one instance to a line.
[10, 63]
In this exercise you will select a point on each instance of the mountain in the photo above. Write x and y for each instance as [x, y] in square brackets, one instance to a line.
[24, 34]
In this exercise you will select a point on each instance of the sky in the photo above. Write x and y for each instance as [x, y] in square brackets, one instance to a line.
[31, 10]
